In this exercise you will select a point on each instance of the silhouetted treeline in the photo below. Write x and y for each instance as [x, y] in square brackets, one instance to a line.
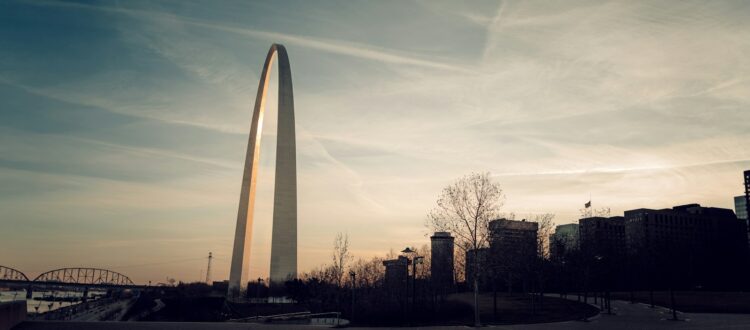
[374, 302]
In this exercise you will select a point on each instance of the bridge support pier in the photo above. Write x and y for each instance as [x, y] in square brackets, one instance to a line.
[85, 296]
[29, 292]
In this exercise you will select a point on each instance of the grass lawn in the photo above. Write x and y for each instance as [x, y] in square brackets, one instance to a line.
[695, 301]
[516, 309]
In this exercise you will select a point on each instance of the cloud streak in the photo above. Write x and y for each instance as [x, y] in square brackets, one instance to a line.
[331, 46]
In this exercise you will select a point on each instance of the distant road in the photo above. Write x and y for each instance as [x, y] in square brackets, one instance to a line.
[627, 317]
[98, 312]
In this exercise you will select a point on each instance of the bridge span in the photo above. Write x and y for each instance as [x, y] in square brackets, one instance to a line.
[81, 277]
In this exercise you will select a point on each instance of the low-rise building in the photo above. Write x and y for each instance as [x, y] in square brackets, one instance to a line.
[441, 262]
[396, 273]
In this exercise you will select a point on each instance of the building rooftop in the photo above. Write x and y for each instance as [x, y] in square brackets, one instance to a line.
[695, 209]
[513, 224]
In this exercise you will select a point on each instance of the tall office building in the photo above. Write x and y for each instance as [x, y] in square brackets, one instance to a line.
[476, 262]
[513, 249]
[602, 237]
[687, 246]
[514, 237]
[602, 245]
[740, 207]
[441, 261]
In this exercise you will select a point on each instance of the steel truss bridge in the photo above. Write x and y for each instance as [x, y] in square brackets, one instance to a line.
[86, 276]
[68, 277]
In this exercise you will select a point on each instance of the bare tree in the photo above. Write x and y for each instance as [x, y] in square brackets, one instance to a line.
[369, 272]
[459, 265]
[340, 256]
[545, 229]
[391, 255]
[423, 270]
[465, 209]
[602, 212]
[592, 212]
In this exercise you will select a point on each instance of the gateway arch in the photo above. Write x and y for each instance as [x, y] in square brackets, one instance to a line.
[284, 237]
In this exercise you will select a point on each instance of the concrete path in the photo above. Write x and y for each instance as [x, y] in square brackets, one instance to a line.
[626, 317]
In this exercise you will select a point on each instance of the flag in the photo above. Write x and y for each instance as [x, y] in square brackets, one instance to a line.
[588, 204]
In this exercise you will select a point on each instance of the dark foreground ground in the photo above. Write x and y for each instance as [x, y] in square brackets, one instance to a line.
[626, 317]
[457, 310]
[695, 301]
[517, 309]
[511, 309]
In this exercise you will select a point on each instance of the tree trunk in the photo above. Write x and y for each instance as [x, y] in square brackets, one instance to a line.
[494, 302]
[533, 300]
[596, 296]
[651, 296]
[541, 291]
[510, 284]
[674, 308]
[476, 302]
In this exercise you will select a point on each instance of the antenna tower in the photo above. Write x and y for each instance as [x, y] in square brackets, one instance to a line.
[208, 269]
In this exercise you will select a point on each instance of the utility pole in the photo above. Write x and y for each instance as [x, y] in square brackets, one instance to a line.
[208, 269]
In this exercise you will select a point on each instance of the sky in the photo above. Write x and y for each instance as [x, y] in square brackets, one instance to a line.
[123, 125]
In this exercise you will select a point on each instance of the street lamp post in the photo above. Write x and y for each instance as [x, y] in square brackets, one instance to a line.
[417, 260]
[257, 296]
[597, 281]
[604, 283]
[260, 283]
[563, 282]
[353, 275]
[410, 252]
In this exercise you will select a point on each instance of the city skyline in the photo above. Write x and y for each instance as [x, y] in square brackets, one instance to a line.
[123, 145]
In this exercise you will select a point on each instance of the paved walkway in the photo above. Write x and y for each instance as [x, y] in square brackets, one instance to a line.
[626, 317]
[629, 316]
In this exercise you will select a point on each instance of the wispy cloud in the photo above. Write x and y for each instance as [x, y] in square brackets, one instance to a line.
[331, 46]
[493, 27]
[103, 102]
[353, 178]
[152, 152]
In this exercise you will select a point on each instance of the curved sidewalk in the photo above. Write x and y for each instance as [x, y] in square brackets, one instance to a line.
[627, 316]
